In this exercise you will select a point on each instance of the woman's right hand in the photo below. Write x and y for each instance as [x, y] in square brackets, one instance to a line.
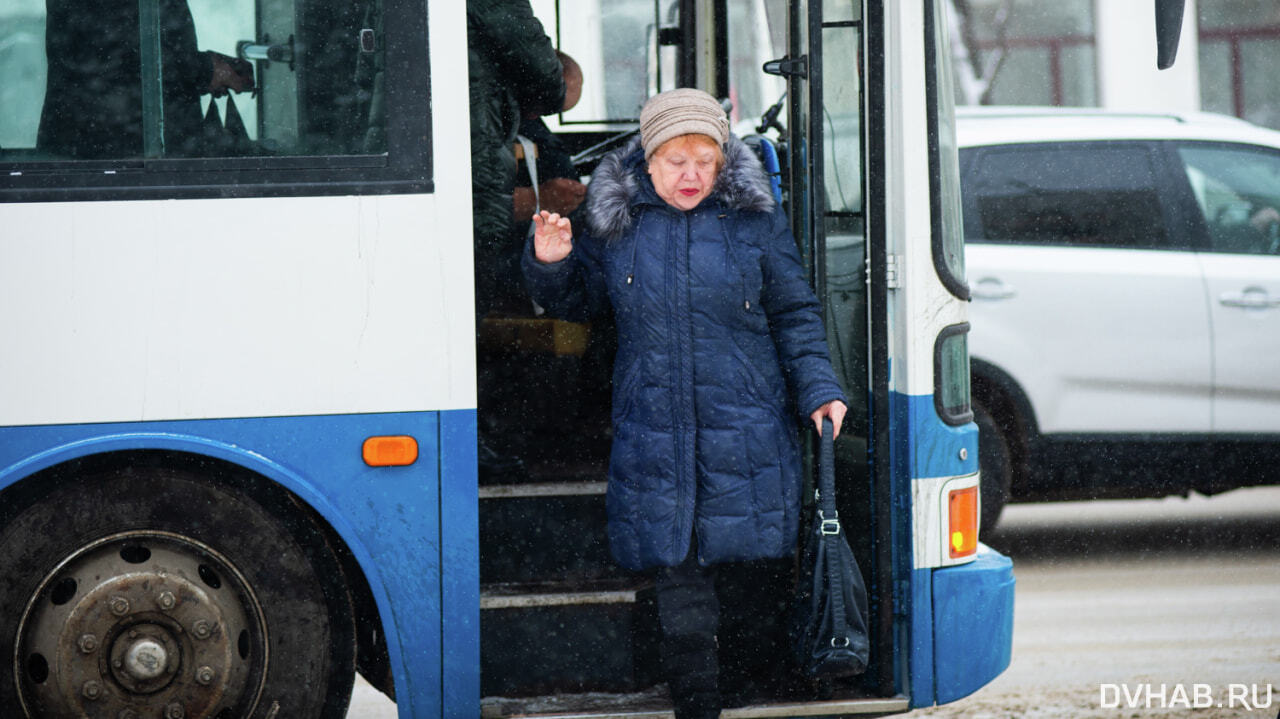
[552, 237]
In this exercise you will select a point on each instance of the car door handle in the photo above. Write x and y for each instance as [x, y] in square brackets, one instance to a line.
[991, 288]
[1255, 298]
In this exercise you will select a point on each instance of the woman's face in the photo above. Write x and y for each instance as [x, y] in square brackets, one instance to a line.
[684, 170]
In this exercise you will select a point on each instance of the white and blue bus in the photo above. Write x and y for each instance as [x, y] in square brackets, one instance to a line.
[238, 397]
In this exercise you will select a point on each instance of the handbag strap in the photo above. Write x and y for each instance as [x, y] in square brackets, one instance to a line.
[829, 526]
[826, 491]
[531, 162]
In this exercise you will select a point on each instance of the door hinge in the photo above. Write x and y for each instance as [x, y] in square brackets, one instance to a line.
[892, 271]
[788, 67]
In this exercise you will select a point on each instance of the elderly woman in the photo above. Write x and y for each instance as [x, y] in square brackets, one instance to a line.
[715, 323]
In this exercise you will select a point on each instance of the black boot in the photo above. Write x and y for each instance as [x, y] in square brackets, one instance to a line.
[689, 612]
[693, 675]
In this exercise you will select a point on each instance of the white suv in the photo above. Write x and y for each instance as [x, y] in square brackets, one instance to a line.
[1125, 274]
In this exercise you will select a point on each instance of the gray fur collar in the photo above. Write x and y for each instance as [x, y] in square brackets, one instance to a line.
[616, 187]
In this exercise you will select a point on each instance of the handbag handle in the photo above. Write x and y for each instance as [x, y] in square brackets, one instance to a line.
[826, 490]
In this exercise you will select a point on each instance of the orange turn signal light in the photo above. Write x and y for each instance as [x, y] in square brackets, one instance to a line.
[962, 521]
[390, 451]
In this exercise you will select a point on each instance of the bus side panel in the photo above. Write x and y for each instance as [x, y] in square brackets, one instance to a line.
[460, 551]
[973, 616]
[389, 517]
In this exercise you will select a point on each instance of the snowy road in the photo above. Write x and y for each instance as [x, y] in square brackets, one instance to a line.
[1126, 610]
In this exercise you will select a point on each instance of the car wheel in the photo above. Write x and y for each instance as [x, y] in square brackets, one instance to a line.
[155, 592]
[995, 462]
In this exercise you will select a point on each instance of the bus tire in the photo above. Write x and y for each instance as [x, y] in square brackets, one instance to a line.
[152, 591]
[995, 463]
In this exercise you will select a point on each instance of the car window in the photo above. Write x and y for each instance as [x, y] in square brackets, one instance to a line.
[1238, 191]
[1096, 195]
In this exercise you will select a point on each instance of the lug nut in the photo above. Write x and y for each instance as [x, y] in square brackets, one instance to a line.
[174, 711]
[127, 714]
[205, 675]
[166, 600]
[88, 643]
[119, 606]
[202, 628]
[91, 690]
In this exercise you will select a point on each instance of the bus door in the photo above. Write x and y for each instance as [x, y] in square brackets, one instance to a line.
[872, 189]
[823, 146]
[825, 153]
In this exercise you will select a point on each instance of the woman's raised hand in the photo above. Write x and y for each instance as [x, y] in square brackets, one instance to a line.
[552, 237]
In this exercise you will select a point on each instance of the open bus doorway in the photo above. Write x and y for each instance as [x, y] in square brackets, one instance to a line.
[561, 624]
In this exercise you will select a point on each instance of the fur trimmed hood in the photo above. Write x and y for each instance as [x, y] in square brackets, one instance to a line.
[621, 182]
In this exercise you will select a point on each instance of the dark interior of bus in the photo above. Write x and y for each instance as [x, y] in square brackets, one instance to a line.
[562, 627]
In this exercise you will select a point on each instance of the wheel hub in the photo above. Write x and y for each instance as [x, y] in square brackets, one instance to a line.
[144, 622]
[145, 658]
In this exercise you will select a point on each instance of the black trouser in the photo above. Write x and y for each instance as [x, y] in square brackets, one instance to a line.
[689, 612]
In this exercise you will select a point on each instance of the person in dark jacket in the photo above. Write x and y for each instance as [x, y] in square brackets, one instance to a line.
[560, 190]
[93, 94]
[721, 349]
[513, 71]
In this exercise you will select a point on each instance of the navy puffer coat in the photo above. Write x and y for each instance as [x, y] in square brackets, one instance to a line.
[715, 324]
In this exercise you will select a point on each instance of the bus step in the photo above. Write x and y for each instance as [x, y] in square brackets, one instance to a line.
[567, 638]
[546, 529]
[654, 703]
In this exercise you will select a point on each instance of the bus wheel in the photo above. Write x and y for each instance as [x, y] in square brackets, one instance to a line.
[995, 462]
[154, 593]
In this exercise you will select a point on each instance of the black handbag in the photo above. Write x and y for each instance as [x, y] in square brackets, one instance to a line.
[830, 627]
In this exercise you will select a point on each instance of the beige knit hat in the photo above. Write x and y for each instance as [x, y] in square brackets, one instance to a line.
[678, 112]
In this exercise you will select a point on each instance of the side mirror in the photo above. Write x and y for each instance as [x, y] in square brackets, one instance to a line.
[1168, 30]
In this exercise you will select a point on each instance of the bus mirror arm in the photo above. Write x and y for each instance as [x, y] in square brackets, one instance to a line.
[1168, 30]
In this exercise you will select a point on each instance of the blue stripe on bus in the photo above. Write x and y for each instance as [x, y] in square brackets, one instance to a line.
[401, 523]
[935, 446]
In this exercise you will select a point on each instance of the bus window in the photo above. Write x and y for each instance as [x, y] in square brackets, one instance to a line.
[22, 72]
[130, 83]
[842, 113]
[757, 32]
[944, 174]
[256, 90]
